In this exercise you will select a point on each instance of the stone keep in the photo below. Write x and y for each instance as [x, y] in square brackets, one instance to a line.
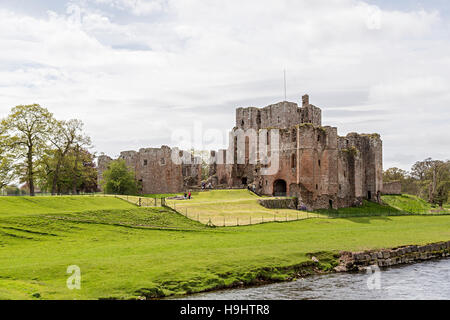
[316, 165]
[320, 168]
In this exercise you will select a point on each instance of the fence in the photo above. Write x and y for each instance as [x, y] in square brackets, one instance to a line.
[243, 220]
[227, 221]
[143, 201]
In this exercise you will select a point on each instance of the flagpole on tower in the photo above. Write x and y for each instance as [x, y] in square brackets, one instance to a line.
[284, 71]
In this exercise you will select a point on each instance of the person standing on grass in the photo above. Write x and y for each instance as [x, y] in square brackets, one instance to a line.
[189, 195]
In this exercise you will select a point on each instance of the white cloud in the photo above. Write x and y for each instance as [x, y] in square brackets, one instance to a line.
[199, 60]
[137, 7]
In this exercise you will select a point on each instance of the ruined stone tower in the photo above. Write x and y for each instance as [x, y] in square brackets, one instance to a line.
[316, 165]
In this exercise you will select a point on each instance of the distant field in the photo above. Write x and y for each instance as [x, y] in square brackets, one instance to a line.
[11, 206]
[410, 203]
[232, 207]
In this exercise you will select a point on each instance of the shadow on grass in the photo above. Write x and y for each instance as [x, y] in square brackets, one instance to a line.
[367, 220]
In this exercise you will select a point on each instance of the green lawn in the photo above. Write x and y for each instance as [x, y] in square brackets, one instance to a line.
[11, 206]
[129, 252]
[410, 203]
[231, 208]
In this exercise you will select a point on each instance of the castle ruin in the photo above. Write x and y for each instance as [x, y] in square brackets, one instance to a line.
[320, 168]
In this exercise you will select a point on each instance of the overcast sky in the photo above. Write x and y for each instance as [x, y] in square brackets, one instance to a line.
[134, 70]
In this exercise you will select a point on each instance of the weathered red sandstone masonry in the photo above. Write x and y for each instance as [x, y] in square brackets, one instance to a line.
[320, 168]
[156, 172]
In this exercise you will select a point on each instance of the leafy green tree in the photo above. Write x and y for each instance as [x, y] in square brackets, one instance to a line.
[440, 196]
[65, 136]
[27, 128]
[6, 163]
[6, 171]
[119, 179]
[429, 174]
[77, 167]
[394, 174]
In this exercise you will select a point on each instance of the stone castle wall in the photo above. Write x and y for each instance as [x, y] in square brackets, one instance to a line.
[316, 165]
[156, 172]
[393, 187]
[320, 168]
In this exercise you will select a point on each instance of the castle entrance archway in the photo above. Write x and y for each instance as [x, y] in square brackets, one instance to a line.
[279, 188]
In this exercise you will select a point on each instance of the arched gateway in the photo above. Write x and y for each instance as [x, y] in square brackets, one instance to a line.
[279, 188]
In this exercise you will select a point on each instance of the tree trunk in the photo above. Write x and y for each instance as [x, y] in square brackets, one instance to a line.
[30, 170]
[55, 178]
[75, 172]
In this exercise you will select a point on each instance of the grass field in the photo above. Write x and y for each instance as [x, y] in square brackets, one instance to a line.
[130, 252]
[10, 206]
[410, 203]
[231, 208]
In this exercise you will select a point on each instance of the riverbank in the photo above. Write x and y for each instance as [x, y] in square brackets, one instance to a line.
[154, 252]
[427, 280]
[351, 261]
[346, 262]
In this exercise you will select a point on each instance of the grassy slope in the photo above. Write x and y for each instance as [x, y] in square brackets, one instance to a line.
[133, 259]
[127, 252]
[12, 206]
[408, 203]
[231, 207]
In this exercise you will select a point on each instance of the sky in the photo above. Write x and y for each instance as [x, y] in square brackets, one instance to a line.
[138, 73]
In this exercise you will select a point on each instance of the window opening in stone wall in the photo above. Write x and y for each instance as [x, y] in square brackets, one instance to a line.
[145, 162]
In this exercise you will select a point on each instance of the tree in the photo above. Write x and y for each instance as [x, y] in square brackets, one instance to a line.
[27, 128]
[66, 136]
[394, 174]
[6, 163]
[119, 179]
[440, 196]
[82, 155]
[420, 168]
[429, 175]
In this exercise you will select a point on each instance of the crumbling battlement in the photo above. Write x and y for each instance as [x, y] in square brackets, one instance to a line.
[315, 165]
[280, 115]
[156, 172]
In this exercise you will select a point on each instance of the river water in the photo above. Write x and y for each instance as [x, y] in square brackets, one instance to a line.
[427, 280]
